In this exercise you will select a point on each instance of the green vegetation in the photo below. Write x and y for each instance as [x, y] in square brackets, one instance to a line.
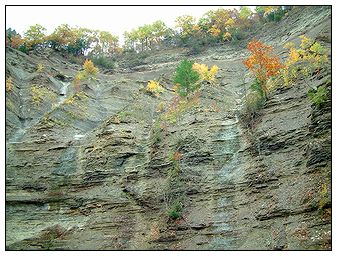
[176, 210]
[174, 158]
[156, 133]
[146, 37]
[306, 62]
[104, 62]
[272, 13]
[35, 36]
[323, 197]
[318, 96]
[254, 102]
[186, 78]
[123, 116]
[76, 41]
[40, 94]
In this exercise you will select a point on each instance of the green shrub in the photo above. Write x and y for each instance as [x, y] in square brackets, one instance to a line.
[186, 78]
[319, 96]
[131, 59]
[176, 210]
[254, 102]
[237, 34]
[24, 48]
[104, 62]
[276, 15]
[324, 197]
[257, 87]
[198, 44]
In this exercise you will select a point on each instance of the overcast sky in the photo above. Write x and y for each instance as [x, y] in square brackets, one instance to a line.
[115, 19]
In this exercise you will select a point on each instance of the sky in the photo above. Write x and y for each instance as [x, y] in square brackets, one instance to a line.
[115, 19]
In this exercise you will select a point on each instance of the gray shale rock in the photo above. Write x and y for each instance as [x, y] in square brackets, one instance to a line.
[95, 171]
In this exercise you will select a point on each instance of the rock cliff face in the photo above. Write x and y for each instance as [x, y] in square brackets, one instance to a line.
[102, 170]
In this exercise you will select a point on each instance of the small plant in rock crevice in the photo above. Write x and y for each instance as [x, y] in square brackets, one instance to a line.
[39, 67]
[323, 197]
[174, 158]
[179, 106]
[154, 88]
[9, 84]
[157, 133]
[176, 209]
[161, 107]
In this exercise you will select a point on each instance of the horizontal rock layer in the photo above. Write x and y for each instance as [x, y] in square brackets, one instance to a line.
[97, 171]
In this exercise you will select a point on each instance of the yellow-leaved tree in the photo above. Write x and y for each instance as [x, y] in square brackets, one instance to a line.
[89, 71]
[204, 72]
[89, 67]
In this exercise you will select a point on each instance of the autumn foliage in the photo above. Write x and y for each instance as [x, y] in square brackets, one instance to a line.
[215, 26]
[205, 74]
[89, 67]
[154, 87]
[9, 84]
[263, 62]
[89, 70]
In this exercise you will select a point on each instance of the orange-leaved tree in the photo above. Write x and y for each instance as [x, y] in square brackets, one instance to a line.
[263, 63]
